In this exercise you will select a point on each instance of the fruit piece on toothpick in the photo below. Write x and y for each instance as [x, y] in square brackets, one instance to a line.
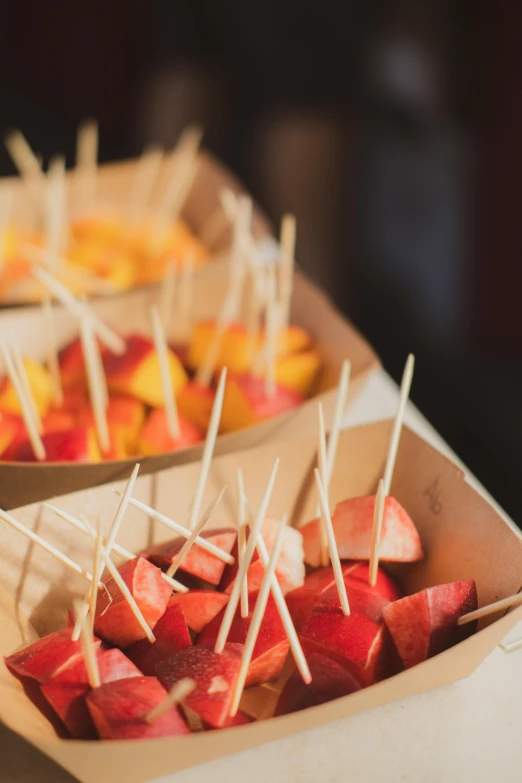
[247, 403]
[120, 709]
[215, 675]
[407, 377]
[155, 437]
[233, 351]
[27, 406]
[353, 522]
[242, 533]
[254, 628]
[136, 583]
[290, 569]
[199, 606]
[97, 383]
[40, 384]
[332, 545]
[198, 562]
[426, 623]
[375, 540]
[360, 641]
[298, 371]
[125, 418]
[195, 404]
[72, 366]
[77, 445]
[172, 634]
[48, 656]
[302, 600]
[162, 353]
[271, 646]
[329, 681]
[137, 371]
[497, 606]
[177, 694]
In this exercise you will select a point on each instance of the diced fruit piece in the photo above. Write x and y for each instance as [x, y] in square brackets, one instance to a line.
[425, 624]
[119, 710]
[41, 386]
[114, 620]
[329, 681]
[298, 371]
[246, 402]
[215, 675]
[58, 421]
[171, 634]
[66, 691]
[291, 340]
[74, 400]
[360, 642]
[137, 371]
[77, 445]
[125, 417]
[47, 656]
[239, 719]
[352, 523]
[271, 647]
[155, 437]
[199, 606]
[12, 429]
[197, 562]
[302, 600]
[290, 569]
[72, 365]
[195, 403]
[235, 351]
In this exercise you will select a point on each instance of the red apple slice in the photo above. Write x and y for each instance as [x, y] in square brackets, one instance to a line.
[302, 600]
[246, 402]
[66, 691]
[329, 681]
[119, 710]
[114, 619]
[352, 523]
[199, 606]
[197, 562]
[290, 568]
[360, 642]
[215, 675]
[171, 634]
[155, 437]
[271, 647]
[47, 656]
[239, 719]
[425, 624]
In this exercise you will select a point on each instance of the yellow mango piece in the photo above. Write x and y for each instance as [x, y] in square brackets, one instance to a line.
[139, 375]
[41, 386]
[298, 371]
[235, 352]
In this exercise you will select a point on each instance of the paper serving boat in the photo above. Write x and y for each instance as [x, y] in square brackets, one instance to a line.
[459, 529]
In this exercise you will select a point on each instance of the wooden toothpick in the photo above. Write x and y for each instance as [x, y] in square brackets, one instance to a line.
[181, 530]
[332, 545]
[242, 538]
[397, 425]
[28, 165]
[497, 606]
[340, 405]
[24, 380]
[323, 470]
[243, 568]
[25, 405]
[187, 546]
[86, 165]
[89, 654]
[378, 514]
[133, 606]
[257, 617]
[177, 694]
[272, 326]
[51, 350]
[169, 398]
[286, 268]
[55, 217]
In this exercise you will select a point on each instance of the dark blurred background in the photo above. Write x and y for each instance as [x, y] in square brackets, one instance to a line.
[392, 130]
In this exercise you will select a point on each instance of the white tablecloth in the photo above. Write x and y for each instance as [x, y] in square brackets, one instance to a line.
[468, 731]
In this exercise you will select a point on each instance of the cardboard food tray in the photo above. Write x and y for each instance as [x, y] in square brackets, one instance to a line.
[458, 527]
[334, 337]
[113, 186]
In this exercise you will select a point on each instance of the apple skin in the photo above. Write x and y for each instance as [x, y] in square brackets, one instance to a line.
[137, 372]
[271, 647]
[119, 710]
[171, 634]
[199, 606]
[246, 402]
[329, 681]
[76, 445]
[425, 624]
[360, 642]
[215, 675]
[114, 621]
[47, 656]
[301, 601]
[198, 562]
[290, 568]
[155, 438]
[66, 692]
[353, 521]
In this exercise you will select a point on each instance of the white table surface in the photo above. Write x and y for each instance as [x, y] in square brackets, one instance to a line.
[467, 731]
